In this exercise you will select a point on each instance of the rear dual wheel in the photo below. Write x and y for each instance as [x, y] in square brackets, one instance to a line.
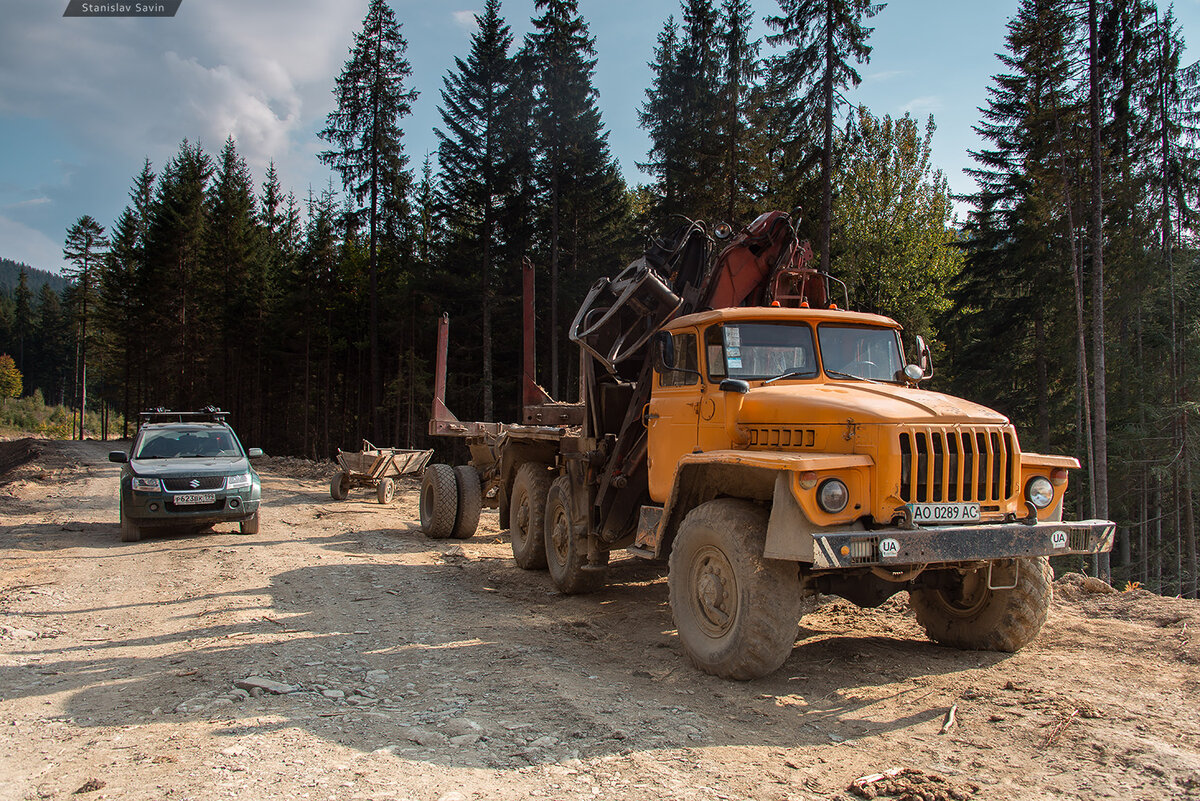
[527, 513]
[450, 502]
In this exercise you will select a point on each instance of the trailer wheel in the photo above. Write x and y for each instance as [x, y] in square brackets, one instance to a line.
[385, 490]
[975, 618]
[339, 486]
[439, 501]
[566, 545]
[737, 613]
[130, 531]
[526, 515]
[470, 502]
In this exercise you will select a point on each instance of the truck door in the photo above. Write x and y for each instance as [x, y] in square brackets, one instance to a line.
[672, 414]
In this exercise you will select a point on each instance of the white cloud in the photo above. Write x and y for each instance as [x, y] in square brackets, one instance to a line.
[465, 20]
[25, 204]
[922, 105]
[19, 242]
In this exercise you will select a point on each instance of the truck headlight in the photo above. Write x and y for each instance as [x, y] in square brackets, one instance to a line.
[146, 484]
[237, 482]
[832, 495]
[1039, 492]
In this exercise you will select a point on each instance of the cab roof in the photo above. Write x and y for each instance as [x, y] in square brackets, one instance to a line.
[782, 314]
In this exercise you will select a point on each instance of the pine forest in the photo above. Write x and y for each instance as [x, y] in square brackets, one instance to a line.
[1063, 291]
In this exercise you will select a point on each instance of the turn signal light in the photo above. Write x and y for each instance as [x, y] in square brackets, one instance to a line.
[808, 479]
[1058, 476]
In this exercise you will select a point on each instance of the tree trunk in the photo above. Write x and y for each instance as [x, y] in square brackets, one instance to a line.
[1099, 385]
[827, 145]
[554, 256]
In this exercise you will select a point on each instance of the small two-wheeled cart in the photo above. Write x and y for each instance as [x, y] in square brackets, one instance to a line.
[375, 467]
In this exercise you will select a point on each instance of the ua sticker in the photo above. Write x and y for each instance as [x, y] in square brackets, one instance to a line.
[1058, 539]
[889, 548]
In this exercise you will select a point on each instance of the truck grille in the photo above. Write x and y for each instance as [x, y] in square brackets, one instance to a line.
[200, 483]
[961, 464]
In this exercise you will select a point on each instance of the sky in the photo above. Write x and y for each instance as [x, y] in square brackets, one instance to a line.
[83, 101]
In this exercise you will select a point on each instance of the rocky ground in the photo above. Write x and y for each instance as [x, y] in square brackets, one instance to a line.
[339, 654]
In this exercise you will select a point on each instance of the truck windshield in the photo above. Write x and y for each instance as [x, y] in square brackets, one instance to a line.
[860, 352]
[760, 350]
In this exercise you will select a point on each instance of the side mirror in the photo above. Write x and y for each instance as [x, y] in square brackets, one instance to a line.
[735, 385]
[924, 358]
[664, 351]
[254, 453]
[120, 457]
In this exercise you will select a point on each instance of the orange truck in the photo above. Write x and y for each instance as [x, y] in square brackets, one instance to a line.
[771, 447]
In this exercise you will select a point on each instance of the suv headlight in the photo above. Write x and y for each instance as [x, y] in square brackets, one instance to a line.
[146, 484]
[832, 496]
[1039, 491]
[237, 482]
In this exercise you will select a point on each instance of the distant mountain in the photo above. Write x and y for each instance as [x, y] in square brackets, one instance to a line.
[10, 273]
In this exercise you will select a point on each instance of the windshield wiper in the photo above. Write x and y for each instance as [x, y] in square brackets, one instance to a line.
[806, 373]
[851, 376]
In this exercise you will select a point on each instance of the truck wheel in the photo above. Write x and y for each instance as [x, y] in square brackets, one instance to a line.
[385, 490]
[130, 531]
[249, 526]
[439, 501]
[339, 486]
[470, 502]
[566, 546]
[737, 613]
[976, 618]
[526, 513]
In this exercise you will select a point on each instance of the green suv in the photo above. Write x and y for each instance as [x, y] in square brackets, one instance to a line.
[186, 470]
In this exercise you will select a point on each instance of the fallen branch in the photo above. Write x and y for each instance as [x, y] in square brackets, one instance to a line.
[949, 720]
[871, 778]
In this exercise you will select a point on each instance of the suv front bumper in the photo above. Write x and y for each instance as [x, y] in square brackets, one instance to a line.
[895, 547]
[159, 509]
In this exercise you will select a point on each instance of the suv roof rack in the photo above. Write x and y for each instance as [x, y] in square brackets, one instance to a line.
[209, 414]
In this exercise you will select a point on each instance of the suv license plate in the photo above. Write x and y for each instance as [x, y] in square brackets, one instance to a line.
[944, 512]
[195, 498]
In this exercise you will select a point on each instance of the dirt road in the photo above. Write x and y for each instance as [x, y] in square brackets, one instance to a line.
[417, 669]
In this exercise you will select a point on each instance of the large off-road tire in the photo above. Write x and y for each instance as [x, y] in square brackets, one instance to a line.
[439, 501]
[975, 618]
[249, 526]
[385, 490]
[526, 513]
[737, 613]
[470, 502]
[130, 531]
[566, 544]
[339, 486]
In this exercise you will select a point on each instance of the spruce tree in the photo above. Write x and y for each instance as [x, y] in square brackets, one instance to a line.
[582, 190]
[368, 151]
[823, 39]
[22, 315]
[85, 249]
[476, 167]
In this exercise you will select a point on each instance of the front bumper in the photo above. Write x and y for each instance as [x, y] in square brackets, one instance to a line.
[159, 508]
[894, 547]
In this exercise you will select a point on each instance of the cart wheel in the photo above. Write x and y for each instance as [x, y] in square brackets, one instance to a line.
[439, 501]
[385, 490]
[339, 486]
[470, 502]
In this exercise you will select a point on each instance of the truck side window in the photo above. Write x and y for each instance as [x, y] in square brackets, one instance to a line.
[685, 357]
[714, 349]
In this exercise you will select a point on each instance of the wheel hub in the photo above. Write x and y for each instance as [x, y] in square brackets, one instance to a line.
[714, 594]
[522, 517]
[560, 537]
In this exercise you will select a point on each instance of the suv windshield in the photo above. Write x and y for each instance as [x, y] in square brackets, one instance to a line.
[860, 352]
[187, 443]
[760, 350]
